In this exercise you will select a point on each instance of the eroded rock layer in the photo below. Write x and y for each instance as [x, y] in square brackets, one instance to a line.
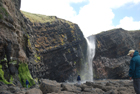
[111, 60]
[62, 47]
[53, 49]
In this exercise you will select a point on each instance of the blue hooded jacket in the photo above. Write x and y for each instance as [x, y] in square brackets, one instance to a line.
[27, 82]
[78, 78]
[134, 70]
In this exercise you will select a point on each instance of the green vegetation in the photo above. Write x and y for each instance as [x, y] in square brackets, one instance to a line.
[69, 50]
[13, 62]
[2, 76]
[74, 62]
[3, 10]
[38, 58]
[24, 74]
[44, 19]
[29, 43]
[38, 18]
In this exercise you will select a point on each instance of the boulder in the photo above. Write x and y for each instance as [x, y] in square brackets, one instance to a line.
[20, 92]
[48, 86]
[70, 88]
[13, 69]
[3, 88]
[63, 92]
[13, 89]
[34, 91]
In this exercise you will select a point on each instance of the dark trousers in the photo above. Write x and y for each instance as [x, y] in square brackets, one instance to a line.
[136, 83]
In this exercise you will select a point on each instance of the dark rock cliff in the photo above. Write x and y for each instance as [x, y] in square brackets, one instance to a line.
[55, 49]
[111, 60]
[62, 48]
[16, 44]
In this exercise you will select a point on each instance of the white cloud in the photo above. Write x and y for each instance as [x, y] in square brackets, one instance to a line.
[77, 1]
[93, 18]
[59, 8]
[128, 23]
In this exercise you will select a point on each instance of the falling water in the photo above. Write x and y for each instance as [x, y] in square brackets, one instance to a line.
[86, 72]
[90, 56]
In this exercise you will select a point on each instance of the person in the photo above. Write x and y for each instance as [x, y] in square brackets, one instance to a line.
[79, 80]
[27, 83]
[134, 70]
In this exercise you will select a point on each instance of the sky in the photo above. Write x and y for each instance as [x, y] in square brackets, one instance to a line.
[92, 16]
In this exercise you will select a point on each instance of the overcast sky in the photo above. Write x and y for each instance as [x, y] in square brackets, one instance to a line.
[92, 16]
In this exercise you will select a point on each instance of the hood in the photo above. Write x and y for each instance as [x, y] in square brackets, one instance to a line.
[136, 53]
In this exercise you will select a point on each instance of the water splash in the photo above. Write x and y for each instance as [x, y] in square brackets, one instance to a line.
[90, 56]
[86, 71]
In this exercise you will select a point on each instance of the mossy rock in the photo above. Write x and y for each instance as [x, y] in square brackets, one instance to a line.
[3, 10]
[2, 79]
[24, 74]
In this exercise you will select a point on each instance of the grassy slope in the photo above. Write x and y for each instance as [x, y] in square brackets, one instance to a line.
[38, 17]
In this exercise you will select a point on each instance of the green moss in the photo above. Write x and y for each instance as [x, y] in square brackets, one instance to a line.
[3, 10]
[13, 62]
[29, 43]
[28, 35]
[24, 74]
[2, 79]
[11, 79]
[74, 62]
[38, 58]
[2, 60]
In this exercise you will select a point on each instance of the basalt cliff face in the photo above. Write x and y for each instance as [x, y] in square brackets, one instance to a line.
[52, 48]
[16, 44]
[61, 45]
[111, 60]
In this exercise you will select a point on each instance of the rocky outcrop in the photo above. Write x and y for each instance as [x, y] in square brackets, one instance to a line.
[111, 60]
[53, 87]
[16, 43]
[53, 49]
[61, 45]
[96, 87]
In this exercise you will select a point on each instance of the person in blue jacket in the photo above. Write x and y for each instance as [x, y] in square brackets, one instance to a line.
[27, 83]
[134, 70]
[79, 80]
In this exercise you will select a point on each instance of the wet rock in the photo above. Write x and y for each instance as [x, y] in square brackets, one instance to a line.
[48, 86]
[63, 92]
[34, 91]
[3, 88]
[20, 92]
[13, 89]
[70, 88]
[12, 69]
[110, 61]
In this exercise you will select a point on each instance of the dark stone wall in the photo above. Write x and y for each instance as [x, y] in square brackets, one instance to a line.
[62, 47]
[111, 60]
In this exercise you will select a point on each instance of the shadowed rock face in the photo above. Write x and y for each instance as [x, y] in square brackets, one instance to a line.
[112, 46]
[14, 27]
[62, 47]
[60, 44]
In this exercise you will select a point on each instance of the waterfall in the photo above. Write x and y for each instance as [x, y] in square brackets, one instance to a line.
[86, 71]
[90, 56]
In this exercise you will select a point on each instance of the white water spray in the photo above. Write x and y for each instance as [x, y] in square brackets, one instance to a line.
[86, 72]
[90, 56]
